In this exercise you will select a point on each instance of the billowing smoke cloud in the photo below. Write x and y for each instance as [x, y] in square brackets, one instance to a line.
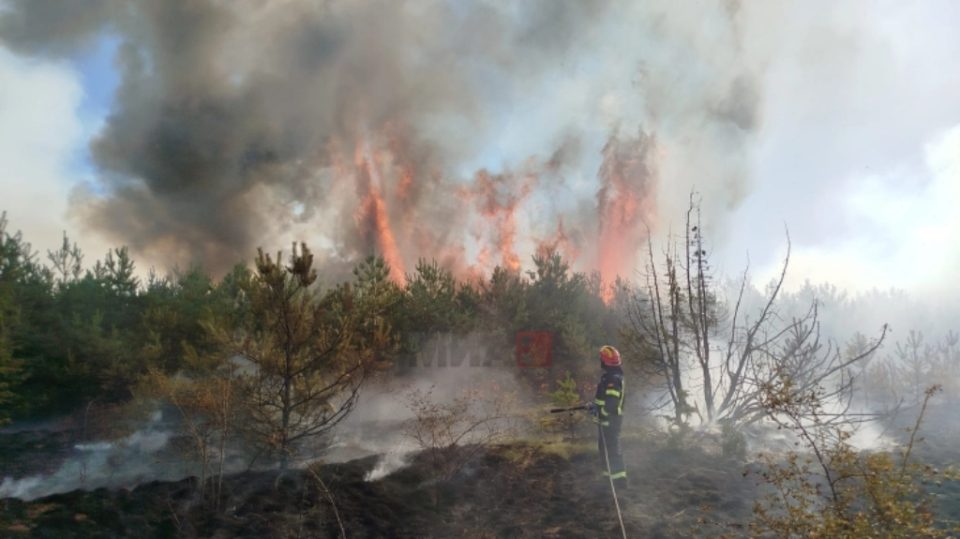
[354, 125]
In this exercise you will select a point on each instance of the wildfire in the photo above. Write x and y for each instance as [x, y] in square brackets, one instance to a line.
[498, 206]
[624, 201]
[559, 242]
[373, 210]
[401, 215]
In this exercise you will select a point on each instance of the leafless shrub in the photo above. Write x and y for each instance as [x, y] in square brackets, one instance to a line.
[913, 365]
[453, 432]
[208, 410]
[832, 490]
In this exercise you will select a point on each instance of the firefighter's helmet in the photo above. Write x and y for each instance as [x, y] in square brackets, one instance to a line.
[609, 356]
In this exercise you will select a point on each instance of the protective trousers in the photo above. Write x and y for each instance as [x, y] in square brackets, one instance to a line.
[608, 444]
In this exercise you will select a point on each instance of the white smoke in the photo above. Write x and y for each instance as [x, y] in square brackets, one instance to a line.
[393, 460]
[105, 463]
[447, 367]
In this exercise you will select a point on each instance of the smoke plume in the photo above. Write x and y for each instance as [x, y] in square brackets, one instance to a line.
[473, 133]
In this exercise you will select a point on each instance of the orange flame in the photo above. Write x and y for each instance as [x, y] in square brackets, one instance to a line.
[499, 211]
[374, 209]
[624, 202]
[559, 242]
[398, 186]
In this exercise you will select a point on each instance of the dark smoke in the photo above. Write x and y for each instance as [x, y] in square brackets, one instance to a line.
[51, 27]
[235, 121]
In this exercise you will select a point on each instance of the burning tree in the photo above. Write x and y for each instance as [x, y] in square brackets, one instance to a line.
[309, 351]
[698, 344]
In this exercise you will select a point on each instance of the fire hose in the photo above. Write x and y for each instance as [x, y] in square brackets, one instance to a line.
[570, 409]
[606, 457]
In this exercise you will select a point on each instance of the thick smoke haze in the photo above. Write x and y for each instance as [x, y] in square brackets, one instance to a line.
[392, 127]
[477, 133]
[482, 133]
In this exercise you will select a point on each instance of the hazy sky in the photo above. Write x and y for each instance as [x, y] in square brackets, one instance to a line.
[855, 146]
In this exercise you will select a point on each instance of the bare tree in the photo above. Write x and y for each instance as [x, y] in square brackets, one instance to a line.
[945, 365]
[655, 331]
[694, 334]
[915, 363]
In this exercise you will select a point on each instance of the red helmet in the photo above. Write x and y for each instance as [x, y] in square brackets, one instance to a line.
[609, 356]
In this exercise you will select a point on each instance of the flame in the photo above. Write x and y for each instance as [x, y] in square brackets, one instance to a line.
[373, 210]
[498, 207]
[624, 205]
[405, 184]
[559, 242]
[401, 213]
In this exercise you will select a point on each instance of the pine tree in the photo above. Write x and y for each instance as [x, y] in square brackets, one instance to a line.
[310, 350]
[11, 259]
[566, 396]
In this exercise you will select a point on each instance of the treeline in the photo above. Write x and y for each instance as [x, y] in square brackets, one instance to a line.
[270, 355]
[73, 332]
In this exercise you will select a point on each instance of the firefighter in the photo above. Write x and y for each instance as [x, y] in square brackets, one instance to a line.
[607, 412]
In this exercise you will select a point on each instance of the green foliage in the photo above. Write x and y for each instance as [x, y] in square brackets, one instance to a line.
[436, 302]
[10, 369]
[565, 396]
[173, 311]
[833, 490]
[70, 336]
[72, 333]
[568, 305]
[376, 305]
[309, 349]
[17, 265]
[433, 302]
[79, 337]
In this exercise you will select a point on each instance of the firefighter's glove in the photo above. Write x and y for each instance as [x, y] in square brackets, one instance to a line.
[593, 409]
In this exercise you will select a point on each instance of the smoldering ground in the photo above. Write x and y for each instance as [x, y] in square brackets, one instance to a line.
[141, 456]
[158, 445]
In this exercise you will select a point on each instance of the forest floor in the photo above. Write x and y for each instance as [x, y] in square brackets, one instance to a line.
[678, 488]
[509, 490]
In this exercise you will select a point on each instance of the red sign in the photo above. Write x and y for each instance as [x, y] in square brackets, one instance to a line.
[533, 349]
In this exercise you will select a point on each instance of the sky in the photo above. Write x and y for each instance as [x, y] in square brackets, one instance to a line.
[49, 112]
[854, 148]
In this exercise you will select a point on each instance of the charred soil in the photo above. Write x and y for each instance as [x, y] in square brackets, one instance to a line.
[510, 490]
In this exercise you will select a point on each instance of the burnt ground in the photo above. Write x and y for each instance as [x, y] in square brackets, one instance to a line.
[511, 490]
[679, 488]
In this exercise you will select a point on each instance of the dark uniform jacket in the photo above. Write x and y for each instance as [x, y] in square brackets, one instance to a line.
[609, 397]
